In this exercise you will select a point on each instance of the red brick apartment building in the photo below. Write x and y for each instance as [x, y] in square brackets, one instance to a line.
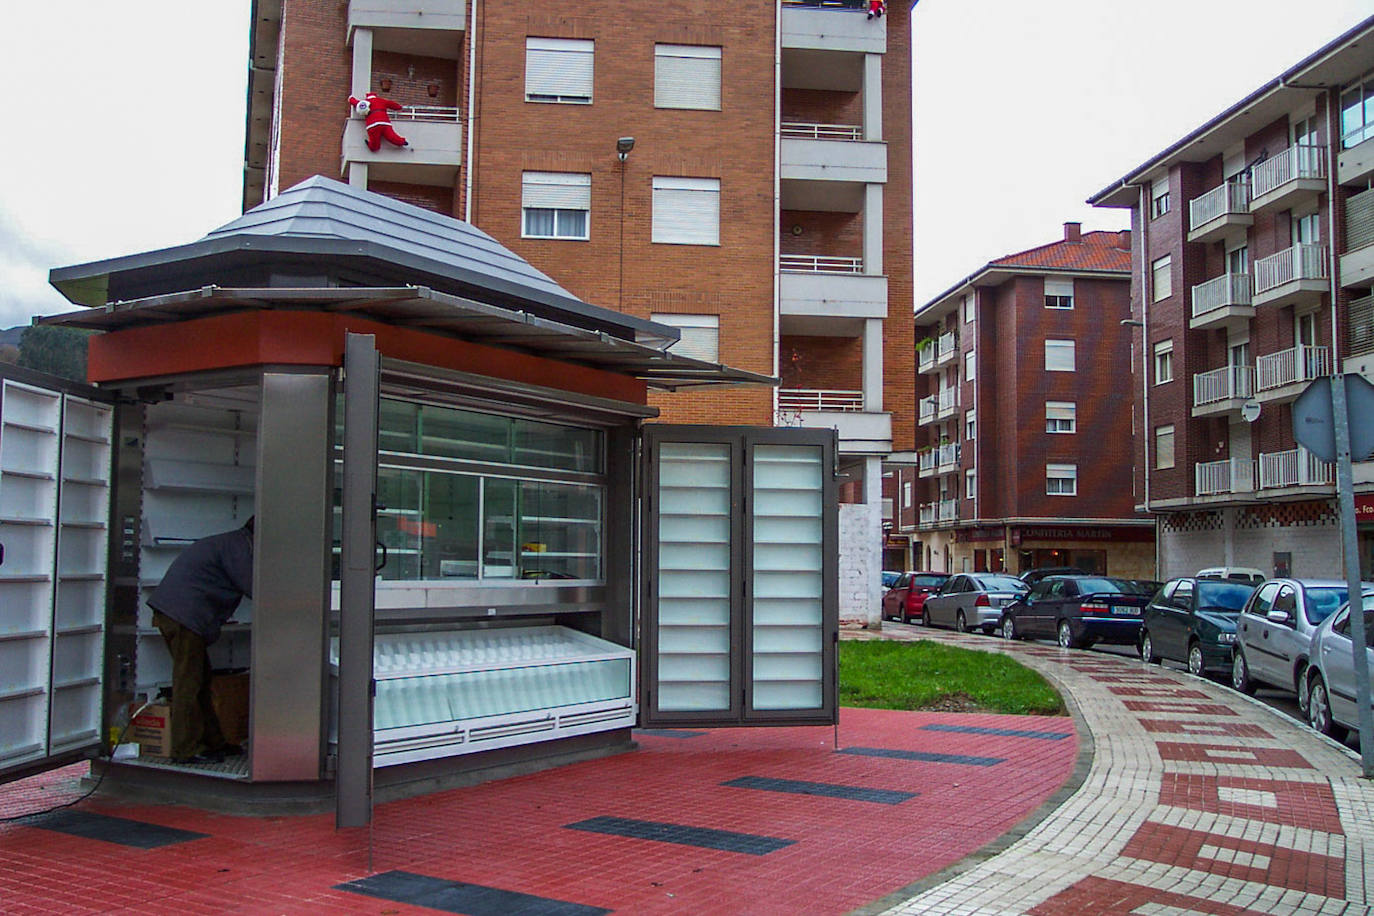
[1024, 423]
[764, 208]
[1252, 267]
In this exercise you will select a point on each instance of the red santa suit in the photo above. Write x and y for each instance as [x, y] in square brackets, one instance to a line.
[378, 121]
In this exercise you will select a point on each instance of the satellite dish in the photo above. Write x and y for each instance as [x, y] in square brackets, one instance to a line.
[1250, 410]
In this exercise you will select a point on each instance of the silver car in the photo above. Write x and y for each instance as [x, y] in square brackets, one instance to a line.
[972, 601]
[1275, 629]
[1331, 675]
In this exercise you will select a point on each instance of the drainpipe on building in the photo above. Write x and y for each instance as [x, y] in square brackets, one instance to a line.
[1145, 296]
[777, 200]
[472, 91]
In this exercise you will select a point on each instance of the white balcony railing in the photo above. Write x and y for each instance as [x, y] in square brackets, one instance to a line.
[948, 510]
[944, 346]
[1231, 197]
[1295, 467]
[946, 456]
[1223, 384]
[1301, 262]
[926, 463]
[1229, 475]
[947, 400]
[926, 513]
[1298, 364]
[791, 399]
[435, 113]
[820, 264]
[926, 412]
[925, 359]
[805, 130]
[1221, 292]
[1294, 163]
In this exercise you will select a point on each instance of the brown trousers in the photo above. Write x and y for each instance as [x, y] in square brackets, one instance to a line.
[195, 727]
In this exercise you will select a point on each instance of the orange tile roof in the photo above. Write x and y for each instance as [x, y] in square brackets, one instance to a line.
[1095, 251]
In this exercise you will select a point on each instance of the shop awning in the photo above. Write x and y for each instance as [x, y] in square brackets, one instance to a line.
[421, 308]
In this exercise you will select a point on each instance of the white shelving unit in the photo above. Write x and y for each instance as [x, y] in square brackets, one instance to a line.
[54, 520]
[199, 478]
[459, 692]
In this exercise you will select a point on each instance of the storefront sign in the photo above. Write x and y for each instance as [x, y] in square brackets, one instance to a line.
[983, 533]
[1364, 508]
[1081, 533]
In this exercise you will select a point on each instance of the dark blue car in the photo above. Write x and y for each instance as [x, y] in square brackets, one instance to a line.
[1193, 620]
[1079, 611]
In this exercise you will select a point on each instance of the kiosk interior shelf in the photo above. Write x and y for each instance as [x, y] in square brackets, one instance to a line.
[441, 693]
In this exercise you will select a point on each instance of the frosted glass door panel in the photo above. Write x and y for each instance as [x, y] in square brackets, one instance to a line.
[787, 658]
[694, 577]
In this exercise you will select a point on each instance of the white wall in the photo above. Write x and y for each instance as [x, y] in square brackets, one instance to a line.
[861, 559]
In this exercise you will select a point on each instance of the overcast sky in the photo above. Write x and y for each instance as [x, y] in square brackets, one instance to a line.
[125, 126]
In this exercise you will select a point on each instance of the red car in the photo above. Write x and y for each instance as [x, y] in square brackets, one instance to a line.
[904, 600]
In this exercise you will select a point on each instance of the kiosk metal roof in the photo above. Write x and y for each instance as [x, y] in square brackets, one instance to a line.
[438, 274]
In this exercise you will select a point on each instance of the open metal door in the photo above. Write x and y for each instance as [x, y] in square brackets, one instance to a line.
[55, 496]
[740, 577]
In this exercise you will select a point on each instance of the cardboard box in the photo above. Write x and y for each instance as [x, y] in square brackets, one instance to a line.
[229, 695]
[152, 730]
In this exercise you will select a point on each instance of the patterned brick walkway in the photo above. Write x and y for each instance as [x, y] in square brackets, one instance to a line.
[1197, 801]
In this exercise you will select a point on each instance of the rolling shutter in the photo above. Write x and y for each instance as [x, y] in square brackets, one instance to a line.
[686, 76]
[558, 69]
[556, 191]
[700, 335]
[687, 211]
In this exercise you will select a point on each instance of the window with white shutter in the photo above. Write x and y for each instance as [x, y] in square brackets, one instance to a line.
[686, 211]
[700, 335]
[555, 205]
[687, 76]
[1059, 356]
[558, 70]
[1058, 293]
[1061, 416]
[1061, 479]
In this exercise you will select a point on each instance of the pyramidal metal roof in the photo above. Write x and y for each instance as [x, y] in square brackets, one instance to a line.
[428, 271]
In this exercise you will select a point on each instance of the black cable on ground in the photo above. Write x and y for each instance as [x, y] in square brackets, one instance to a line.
[89, 792]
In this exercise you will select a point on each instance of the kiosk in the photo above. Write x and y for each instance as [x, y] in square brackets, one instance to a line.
[460, 509]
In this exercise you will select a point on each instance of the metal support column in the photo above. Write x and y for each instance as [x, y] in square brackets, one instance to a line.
[353, 785]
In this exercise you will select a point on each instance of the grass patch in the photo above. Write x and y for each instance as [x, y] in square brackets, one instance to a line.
[886, 674]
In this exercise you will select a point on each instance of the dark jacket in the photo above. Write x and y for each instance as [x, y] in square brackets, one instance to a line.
[206, 582]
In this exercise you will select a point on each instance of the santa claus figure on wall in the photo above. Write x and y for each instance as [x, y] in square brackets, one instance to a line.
[374, 110]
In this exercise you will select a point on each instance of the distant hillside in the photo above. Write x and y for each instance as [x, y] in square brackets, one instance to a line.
[12, 335]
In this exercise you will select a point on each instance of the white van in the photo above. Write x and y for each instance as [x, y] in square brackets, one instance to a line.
[1233, 574]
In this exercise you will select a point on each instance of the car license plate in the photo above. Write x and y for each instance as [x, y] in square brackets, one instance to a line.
[1125, 610]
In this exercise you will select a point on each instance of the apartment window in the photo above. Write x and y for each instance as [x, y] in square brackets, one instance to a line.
[1059, 356]
[970, 484]
[1164, 447]
[686, 211]
[1061, 417]
[968, 309]
[1058, 293]
[1357, 112]
[555, 205]
[1307, 230]
[700, 335]
[686, 76]
[1238, 260]
[1161, 275]
[1164, 361]
[969, 366]
[1061, 479]
[970, 425]
[558, 70]
[906, 494]
[1159, 198]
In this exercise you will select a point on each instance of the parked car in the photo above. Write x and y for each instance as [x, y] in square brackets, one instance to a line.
[1193, 620]
[906, 598]
[972, 601]
[1032, 576]
[890, 578]
[1332, 709]
[1078, 611]
[1233, 574]
[1275, 632]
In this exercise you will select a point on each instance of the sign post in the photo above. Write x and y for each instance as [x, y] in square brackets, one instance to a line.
[1334, 419]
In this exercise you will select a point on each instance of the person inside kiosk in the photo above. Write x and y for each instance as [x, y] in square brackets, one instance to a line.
[201, 591]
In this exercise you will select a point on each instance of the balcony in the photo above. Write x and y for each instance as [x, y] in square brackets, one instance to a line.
[815, 292]
[925, 413]
[936, 513]
[1359, 333]
[1294, 177]
[1223, 301]
[425, 27]
[820, 158]
[860, 432]
[1222, 391]
[435, 135]
[1293, 276]
[1229, 475]
[1296, 467]
[938, 353]
[1357, 264]
[942, 459]
[832, 25]
[1355, 165]
[1221, 213]
[1281, 377]
[946, 403]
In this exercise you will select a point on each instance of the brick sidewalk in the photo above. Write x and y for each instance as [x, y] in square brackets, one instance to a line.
[1197, 801]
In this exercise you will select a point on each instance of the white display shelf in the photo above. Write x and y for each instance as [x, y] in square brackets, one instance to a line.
[200, 477]
[458, 692]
